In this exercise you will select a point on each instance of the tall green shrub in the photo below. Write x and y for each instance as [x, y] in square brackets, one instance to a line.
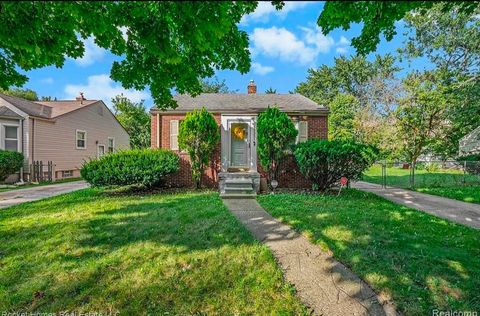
[147, 167]
[325, 162]
[198, 136]
[10, 162]
[275, 133]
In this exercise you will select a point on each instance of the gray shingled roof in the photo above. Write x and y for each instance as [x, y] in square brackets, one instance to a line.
[6, 112]
[29, 107]
[243, 103]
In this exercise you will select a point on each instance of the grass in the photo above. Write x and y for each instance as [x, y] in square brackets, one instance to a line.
[171, 254]
[462, 193]
[420, 261]
[444, 182]
[31, 185]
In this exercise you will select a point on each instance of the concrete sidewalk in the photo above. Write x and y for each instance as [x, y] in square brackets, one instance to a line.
[461, 212]
[14, 197]
[322, 283]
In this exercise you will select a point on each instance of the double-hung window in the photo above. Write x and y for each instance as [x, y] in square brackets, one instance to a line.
[111, 145]
[10, 138]
[302, 127]
[81, 139]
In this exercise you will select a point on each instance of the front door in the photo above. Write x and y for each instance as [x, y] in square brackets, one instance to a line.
[239, 141]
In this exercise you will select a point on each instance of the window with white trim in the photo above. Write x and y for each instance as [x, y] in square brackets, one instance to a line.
[111, 144]
[67, 173]
[302, 128]
[81, 139]
[174, 128]
[10, 139]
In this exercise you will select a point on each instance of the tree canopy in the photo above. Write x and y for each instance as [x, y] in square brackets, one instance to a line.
[135, 119]
[163, 45]
[26, 94]
[378, 18]
[215, 86]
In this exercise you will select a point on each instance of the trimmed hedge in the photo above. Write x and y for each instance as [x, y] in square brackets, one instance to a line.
[147, 167]
[326, 162]
[10, 162]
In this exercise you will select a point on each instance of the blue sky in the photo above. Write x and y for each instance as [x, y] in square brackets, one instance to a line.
[284, 45]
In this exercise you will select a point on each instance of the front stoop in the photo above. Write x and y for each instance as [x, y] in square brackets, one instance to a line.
[237, 185]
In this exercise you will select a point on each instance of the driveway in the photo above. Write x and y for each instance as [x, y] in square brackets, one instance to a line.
[457, 211]
[14, 197]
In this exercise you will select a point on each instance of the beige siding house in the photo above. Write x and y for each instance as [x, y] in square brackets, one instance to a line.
[64, 132]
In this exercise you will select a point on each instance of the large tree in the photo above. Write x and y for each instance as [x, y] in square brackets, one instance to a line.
[135, 119]
[421, 113]
[215, 86]
[163, 45]
[451, 41]
[378, 17]
[360, 94]
[26, 94]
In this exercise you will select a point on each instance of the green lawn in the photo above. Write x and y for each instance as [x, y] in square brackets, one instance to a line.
[447, 183]
[462, 193]
[421, 261]
[157, 254]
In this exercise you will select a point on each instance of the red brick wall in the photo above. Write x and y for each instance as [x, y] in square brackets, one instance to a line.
[289, 175]
[153, 131]
[183, 178]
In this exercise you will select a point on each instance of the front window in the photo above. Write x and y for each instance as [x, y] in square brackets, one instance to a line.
[81, 139]
[111, 145]
[11, 138]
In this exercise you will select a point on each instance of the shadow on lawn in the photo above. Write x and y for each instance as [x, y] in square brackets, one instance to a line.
[421, 261]
[73, 261]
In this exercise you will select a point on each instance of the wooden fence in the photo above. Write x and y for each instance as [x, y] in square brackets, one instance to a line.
[40, 171]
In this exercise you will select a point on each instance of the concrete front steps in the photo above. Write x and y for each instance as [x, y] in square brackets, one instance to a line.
[238, 185]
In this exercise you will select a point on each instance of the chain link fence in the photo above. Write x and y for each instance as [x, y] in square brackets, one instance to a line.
[424, 174]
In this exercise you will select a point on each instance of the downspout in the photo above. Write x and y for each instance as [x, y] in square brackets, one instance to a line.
[33, 140]
[22, 149]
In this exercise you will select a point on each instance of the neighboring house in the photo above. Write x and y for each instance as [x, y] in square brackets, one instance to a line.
[236, 114]
[64, 132]
[470, 143]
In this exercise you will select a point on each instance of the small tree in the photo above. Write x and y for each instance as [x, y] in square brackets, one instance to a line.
[276, 133]
[199, 136]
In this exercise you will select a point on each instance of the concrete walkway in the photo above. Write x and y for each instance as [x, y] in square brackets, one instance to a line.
[322, 283]
[461, 212]
[15, 197]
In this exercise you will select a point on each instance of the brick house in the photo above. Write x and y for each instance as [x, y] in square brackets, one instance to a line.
[235, 164]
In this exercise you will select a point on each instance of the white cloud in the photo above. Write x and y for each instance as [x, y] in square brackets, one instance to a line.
[48, 80]
[93, 53]
[321, 42]
[342, 45]
[281, 43]
[343, 41]
[265, 10]
[103, 88]
[260, 69]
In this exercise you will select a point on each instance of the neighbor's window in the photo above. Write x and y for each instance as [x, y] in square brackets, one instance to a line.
[11, 138]
[81, 139]
[111, 144]
[67, 173]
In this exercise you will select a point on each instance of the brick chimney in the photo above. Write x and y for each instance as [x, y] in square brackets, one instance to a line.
[252, 87]
[80, 98]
